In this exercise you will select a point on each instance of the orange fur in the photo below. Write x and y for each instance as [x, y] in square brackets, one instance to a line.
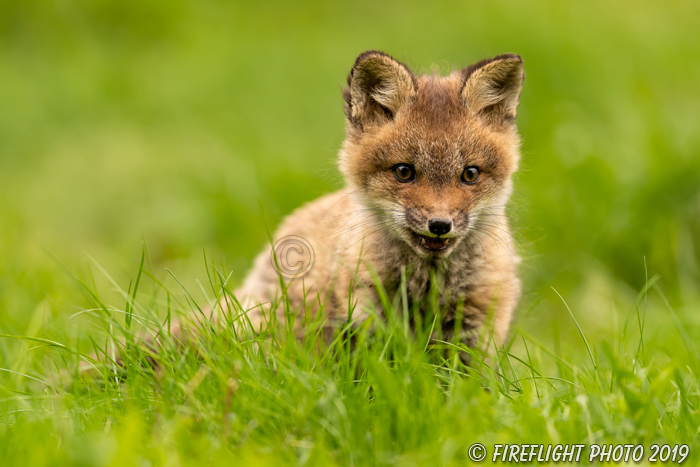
[436, 126]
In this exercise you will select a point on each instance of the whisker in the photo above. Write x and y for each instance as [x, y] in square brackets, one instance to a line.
[339, 200]
[367, 222]
[362, 238]
[497, 238]
[349, 213]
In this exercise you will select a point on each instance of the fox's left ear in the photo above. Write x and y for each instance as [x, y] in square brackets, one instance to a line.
[492, 87]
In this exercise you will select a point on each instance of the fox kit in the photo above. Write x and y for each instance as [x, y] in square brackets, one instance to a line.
[428, 162]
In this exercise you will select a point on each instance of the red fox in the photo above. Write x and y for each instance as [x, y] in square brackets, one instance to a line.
[428, 162]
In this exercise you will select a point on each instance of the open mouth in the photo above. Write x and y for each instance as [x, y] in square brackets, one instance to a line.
[433, 243]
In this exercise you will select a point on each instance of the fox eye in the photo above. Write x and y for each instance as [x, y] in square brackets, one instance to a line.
[471, 175]
[404, 172]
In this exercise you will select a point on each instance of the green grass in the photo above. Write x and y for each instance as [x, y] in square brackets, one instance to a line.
[196, 126]
[391, 396]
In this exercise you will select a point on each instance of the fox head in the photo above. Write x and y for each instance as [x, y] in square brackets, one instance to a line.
[432, 156]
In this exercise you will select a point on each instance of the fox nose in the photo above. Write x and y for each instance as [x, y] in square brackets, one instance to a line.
[439, 226]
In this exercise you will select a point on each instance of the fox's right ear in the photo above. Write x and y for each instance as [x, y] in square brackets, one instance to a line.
[378, 87]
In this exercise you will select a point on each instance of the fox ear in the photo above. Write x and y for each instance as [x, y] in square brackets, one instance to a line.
[492, 87]
[378, 87]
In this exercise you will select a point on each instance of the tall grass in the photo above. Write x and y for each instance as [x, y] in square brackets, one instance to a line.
[381, 392]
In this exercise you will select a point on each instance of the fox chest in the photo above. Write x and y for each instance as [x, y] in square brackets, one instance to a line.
[442, 283]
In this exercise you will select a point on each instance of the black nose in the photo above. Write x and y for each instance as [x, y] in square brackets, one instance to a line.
[439, 226]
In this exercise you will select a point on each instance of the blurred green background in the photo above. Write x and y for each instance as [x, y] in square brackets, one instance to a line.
[174, 122]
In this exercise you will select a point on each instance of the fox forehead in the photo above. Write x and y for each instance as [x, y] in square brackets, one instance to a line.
[437, 103]
[446, 148]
